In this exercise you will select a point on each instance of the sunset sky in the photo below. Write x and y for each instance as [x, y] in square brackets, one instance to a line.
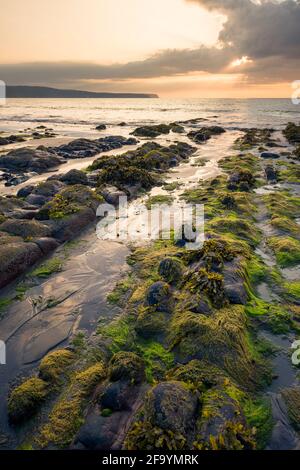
[176, 48]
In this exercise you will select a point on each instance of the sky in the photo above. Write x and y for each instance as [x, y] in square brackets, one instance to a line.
[176, 48]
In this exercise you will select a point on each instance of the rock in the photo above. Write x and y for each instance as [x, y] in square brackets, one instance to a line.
[28, 159]
[100, 127]
[25, 228]
[74, 177]
[16, 257]
[234, 283]
[101, 433]
[117, 396]
[36, 200]
[205, 133]
[170, 269]
[46, 244]
[82, 148]
[152, 131]
[171, 406]
[158, 296]
[223, 425]
[127, 367]
[68, 227]
[48, 188]
[9, 205]
[112, 195]
[271, 173]
[122, 124]
[25, 191]
[269, 155]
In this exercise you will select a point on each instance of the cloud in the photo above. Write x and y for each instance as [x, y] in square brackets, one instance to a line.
[266, 31]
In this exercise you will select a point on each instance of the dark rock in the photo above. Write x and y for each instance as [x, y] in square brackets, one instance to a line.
[158, 296]
[36, 200]
[74, 177]
[205, 133]
[46, 244]
[67, 228]
[16, 257]
[171, 406]
[234, 283]
[81, 148]
[112, 194]
[25, 228]
[271, 173]
[117, 396]
[152, 131]
[27, 159]
[100, 127]
[170, 269]
[127, 367]
[270, 155]
[25, 191]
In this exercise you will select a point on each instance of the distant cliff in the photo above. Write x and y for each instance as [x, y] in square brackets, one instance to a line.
[46, 92]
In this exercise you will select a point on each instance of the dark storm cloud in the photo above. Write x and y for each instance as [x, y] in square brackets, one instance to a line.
[267, 32]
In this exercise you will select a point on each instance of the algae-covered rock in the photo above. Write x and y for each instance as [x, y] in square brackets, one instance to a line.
[126, 366]
[171, 270]
[292, 133]
[169, 415]
[74, 177]
[25, 399]
[16, 256]
[54, 364]
[220, 339]
[291, 398]
[26, 229]
[150, 323]
[152, 131]
[158, 296]
[222, 425]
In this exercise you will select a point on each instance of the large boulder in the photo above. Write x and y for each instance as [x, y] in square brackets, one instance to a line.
[28, 159]
[158, 296]
[26, 229]
[170, 269]
[127, 367]
[234, 283]
[74, 177]
[171, 406]
[16, 257]
[112, 195]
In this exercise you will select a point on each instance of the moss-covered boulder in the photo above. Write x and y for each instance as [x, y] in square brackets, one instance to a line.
[25, 399]
[16, 257]
[152, 131]
[158, 296]
[169, 415]
[54, 364]
[171, 270]
[73, 177]
[292, 133]
[150, 323]
[220, 339]
[27, 229]
[222, 425]
[286, 250]
[127, 366]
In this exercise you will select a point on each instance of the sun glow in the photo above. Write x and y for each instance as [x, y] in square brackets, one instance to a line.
[242, 61]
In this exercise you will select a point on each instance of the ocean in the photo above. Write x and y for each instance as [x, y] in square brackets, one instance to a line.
[78, 117]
